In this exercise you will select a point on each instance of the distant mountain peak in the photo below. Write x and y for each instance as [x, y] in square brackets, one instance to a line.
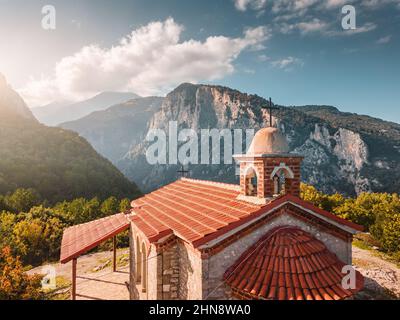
[56, 113]
[12, 106]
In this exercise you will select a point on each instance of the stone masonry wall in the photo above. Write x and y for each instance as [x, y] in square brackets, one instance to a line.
[168, 273]
[173, 272]
[190, 273]
[216, 265]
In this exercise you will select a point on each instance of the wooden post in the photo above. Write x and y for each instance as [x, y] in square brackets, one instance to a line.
[114, 254]
[73, 290]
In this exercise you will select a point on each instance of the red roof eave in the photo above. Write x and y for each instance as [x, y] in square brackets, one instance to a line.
[327, 214]
[272, 205]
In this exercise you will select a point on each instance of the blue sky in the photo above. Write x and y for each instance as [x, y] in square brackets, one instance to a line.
[293, 50]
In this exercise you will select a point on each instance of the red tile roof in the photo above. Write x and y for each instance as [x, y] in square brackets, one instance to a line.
[289, 264]
[81, 238]
[192, 209]
[199, 211]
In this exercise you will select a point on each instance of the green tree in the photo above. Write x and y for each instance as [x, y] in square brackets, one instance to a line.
[37, 237]
[323, 201]
[21, 200]
[124, 205]
[386, 228]
[7, 222]
[110, 206]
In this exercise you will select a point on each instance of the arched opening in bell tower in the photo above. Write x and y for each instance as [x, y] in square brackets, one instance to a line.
[251, 182]
[280, 180]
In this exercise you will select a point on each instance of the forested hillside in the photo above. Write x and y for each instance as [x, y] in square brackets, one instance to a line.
[57, 163]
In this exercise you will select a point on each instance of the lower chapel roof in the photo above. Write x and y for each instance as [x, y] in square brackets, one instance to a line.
[81, 238]
[289, 264]
[200, 211]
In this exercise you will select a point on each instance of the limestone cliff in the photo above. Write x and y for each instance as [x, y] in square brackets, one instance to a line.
[336, 158]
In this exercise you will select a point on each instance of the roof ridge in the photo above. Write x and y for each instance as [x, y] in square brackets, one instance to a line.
[222, 185]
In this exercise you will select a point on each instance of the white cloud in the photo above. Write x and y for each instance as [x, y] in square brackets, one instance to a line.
[318, 26]
[367, 27]
[315, 25]
[263, 58]
[243, 5]
[375, 4]
[151, 60]
[384, 40]
[292, 5]
[287, 63]
[312, 16]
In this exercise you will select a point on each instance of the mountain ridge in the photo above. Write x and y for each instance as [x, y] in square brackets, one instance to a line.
[59, 112]
[113, 131]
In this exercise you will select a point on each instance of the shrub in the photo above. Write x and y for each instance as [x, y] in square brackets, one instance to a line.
[15, 284]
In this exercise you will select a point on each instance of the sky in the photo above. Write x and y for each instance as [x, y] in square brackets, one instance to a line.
[295, 51]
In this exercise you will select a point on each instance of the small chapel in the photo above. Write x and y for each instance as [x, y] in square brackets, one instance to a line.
[196, 239]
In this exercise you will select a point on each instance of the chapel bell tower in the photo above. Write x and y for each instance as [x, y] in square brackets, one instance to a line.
[268, 170]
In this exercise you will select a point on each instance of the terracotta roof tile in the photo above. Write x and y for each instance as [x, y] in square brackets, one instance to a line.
[298, 277]
[200, 211]
[81, 238]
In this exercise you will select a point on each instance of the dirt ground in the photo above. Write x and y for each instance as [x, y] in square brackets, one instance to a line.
[95, 278]
[382, 278]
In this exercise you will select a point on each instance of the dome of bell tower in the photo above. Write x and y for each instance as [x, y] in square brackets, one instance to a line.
[268, 141]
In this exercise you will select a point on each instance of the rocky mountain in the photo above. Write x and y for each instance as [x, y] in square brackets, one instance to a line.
[12, 106]
[373, 147]
[115, 131]
[63, 111]
[342, 152]
[57, 163]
